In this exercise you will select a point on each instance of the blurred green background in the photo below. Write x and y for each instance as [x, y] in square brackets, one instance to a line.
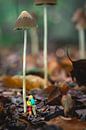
[61, 29]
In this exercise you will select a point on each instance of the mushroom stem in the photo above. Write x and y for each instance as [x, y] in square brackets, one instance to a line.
[34, 41]
[24, 70]
[45, 46]
[81, 43]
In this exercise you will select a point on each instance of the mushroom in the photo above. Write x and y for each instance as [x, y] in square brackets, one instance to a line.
[25, 21]
[79, 19]
[45, 3]
[34, 39]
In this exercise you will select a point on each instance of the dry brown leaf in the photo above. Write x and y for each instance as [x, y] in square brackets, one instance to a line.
[73, 124]
[16, 82]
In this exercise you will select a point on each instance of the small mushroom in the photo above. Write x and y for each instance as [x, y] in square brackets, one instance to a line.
[45, 3]
[35, 40]
[24, 22]
[79, 19]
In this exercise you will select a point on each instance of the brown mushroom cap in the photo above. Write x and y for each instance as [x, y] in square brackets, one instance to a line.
[25, 21]
[78, 15]
[79, 18]
[49, 2]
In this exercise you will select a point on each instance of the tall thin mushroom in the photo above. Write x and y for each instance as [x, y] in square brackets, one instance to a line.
[45, 3]
[34, 41]
[24, 22]
[34, 38]
[79, 19]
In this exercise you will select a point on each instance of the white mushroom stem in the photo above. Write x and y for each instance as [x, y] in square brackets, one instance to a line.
[81, 43]
[45, 46]
[24, 70]
[34, 41]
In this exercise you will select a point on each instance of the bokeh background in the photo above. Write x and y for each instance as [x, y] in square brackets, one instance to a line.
[61, 29]
[62, 32]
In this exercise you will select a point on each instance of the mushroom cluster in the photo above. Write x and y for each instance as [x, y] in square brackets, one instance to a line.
[25, 21]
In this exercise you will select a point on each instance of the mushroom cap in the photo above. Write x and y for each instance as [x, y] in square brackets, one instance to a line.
[49, 2]
[79, 14]
[25, 21]
[79, 18]
[81, 24]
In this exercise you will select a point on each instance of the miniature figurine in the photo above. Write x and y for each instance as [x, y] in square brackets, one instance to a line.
[29, 107]
[33, 104]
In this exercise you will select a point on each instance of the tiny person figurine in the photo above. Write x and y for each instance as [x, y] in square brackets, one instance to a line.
[29, 107]
[33, 104]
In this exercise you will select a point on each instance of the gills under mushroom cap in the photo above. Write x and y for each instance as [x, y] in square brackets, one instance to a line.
[25, 21]
[41, 2]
